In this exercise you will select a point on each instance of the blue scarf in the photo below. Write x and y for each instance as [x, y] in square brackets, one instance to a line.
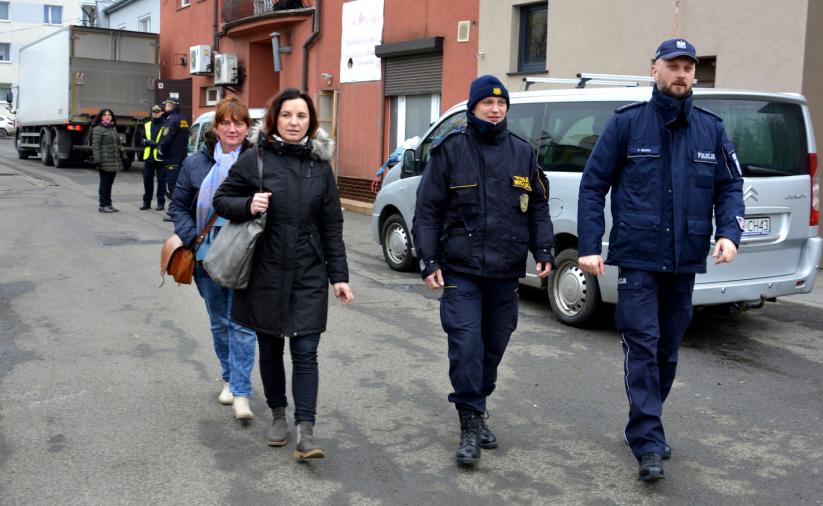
[208, 187]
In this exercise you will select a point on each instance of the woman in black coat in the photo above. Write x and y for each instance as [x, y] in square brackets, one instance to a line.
[107, 156]
[300, 251]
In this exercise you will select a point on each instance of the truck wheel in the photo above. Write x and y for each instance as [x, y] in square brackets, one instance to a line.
[58, 138]
[397, 243]
[574, 295]
[45, 149]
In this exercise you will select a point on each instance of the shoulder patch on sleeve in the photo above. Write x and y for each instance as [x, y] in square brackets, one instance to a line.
[710, 113]
[184, 123]
[629, 106]
[450, 133]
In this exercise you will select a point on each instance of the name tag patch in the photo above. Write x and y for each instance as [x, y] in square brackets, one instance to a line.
[704, 156]
[521, 182]
[638, 150]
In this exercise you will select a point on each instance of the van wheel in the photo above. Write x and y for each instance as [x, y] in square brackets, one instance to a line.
[45, 149]
[397, 244]
[574, 295]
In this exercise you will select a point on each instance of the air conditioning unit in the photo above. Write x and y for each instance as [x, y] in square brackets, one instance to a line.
[225, 69]
[200, 60]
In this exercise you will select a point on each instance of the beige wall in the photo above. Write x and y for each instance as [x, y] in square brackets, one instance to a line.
[758, 43]
[813, 69]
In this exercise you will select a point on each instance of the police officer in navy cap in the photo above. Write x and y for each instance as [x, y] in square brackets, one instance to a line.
[669, 166]
[173, 147]
[482, 204]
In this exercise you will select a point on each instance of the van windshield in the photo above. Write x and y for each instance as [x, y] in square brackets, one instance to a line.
[769, 137]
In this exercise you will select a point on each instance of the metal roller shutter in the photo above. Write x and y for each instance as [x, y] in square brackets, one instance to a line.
[419, 74]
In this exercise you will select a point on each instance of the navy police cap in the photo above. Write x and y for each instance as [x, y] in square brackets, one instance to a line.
[672, 48]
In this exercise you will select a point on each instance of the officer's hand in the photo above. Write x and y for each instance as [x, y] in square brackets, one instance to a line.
[435, 280]
[593, 264]
[259, 203]
[343, 292]
[724, 251]
[543, 269]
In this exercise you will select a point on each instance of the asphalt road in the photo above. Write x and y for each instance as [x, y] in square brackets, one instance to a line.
[108, 385]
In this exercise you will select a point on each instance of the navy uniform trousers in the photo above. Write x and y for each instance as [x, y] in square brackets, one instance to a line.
[653, 312]
[479, 315]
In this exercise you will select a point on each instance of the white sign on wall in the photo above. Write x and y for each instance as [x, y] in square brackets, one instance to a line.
[362, 30]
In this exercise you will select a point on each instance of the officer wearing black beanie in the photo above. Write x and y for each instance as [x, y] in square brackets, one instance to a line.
[482, 205]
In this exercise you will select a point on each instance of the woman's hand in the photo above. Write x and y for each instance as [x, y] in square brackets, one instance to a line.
[343, 292]
[259, 203]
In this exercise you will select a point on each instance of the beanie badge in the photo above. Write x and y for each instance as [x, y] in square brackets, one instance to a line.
[497, 91]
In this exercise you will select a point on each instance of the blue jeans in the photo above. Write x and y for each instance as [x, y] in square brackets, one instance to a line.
[234, 344]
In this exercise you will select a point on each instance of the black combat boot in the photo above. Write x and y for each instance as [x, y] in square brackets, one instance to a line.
[469, 451]
[651, 467]
[487, 439]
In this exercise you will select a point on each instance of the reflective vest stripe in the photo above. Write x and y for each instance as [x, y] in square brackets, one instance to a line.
[148, 149]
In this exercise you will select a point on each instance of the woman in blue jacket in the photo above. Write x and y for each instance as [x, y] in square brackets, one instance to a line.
[190, 209]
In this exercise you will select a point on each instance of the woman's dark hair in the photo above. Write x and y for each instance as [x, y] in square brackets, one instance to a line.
[100, 116]
[276, 103]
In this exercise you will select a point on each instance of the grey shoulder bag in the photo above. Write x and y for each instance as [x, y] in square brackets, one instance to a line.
[228, 260]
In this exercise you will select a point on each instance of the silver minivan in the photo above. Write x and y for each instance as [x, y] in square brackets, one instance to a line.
[772, 132]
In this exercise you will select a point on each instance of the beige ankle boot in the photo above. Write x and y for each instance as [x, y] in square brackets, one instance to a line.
[241, 408]
[306, 447]
[225, 396]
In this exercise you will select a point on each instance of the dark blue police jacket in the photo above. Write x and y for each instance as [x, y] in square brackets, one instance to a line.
[174, 142]
[482, 204]
[669, 165]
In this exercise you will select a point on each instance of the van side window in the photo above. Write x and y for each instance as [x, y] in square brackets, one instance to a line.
[570, 132]
[769, 137]
[524, 120]
[201, 138]
[448, 124]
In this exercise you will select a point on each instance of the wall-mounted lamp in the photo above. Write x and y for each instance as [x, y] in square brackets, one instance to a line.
[277, 50]
[328, 77]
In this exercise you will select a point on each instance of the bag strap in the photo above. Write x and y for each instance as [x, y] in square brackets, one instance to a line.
[205, 231]
[260, 168]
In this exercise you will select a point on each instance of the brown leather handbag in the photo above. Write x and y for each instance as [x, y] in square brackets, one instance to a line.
[178, 260]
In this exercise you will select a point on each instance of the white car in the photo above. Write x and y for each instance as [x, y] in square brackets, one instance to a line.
[6, 126]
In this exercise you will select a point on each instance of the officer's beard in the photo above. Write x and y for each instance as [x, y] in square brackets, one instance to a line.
[676, 91]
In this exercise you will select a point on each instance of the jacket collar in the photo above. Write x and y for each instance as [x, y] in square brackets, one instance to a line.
[485, 131]
[675, 111]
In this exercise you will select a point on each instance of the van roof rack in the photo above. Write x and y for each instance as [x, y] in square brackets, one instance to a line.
[584, 78]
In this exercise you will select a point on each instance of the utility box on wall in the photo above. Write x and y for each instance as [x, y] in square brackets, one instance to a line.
[200, 60]
[225, 69]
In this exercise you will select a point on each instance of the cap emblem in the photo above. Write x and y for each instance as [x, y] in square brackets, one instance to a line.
[497, 91]
[681, 44]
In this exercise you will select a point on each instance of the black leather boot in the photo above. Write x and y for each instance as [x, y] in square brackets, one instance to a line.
[651, 467]
[468, 453]
[487, 439]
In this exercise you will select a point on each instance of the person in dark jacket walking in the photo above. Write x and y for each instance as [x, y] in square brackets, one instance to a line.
[107, 156]
[298, 254]
[173, 147]
[482, 204]
[190, 208]
[669, 166]
[152, 163]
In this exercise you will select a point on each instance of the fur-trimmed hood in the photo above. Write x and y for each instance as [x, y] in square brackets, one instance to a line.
[321, 145]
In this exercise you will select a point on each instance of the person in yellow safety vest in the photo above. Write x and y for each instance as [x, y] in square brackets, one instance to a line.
[152, 163]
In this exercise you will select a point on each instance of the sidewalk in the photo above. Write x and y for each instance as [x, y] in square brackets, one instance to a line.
[814, 298]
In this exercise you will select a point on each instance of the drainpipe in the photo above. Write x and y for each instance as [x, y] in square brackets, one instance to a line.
[216, 43]
[318, 4]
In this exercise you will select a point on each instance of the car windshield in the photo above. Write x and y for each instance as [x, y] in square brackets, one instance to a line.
[769, 136]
